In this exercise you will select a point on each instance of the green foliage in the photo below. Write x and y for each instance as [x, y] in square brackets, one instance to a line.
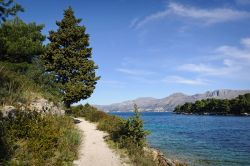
[9, 8]
[12, 85]
[237, 106]
[22, 81]
[113, 125]
[89, 112]
[133, 133]
[30, 138]
[68, 56]
[20, 42]
[126, 134]
[27, 137]
[109, 123]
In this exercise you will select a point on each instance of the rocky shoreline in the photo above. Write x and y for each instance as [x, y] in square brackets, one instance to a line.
[160, 158]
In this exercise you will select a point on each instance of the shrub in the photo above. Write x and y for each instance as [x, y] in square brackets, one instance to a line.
[20, 81]
[133, 133]
[113, 125]
[12, 86]
[89, 112]
[126, 134]
[31, 138]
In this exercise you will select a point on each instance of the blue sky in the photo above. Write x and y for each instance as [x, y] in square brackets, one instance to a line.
[157, 47]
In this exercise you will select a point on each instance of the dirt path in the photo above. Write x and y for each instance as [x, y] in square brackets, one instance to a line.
[94, 151]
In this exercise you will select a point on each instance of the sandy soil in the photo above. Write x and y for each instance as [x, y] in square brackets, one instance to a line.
[94, 151]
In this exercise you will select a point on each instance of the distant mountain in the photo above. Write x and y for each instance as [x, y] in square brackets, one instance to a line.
[169, 103]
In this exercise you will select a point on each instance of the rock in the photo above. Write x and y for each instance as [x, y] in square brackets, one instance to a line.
[8, 110]
[40, 105]
[44, 106]
[160, 159]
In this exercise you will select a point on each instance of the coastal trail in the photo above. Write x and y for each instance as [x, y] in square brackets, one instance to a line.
[93, 150]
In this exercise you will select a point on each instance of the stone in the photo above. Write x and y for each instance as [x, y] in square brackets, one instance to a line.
[160, 159]
[8, 110]
[40, 105]
[44, 106]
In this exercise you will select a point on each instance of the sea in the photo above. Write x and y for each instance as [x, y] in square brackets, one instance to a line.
[199, 140]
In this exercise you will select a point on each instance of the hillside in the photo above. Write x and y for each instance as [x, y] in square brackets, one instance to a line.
[169, 103]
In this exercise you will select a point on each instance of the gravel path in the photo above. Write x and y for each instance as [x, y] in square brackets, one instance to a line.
[94, 151]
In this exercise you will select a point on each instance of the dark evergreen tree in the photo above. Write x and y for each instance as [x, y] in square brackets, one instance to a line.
[9, 8]
[224, 106]
[68, 56]
[20, 42]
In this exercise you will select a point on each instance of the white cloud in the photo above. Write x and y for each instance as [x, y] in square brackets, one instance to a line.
[239, 55]
[113, 83]
[243, 2]
[182, 80]
[135, 72]
[245, 42]
[231, 61]
[228, 62]
[206, 16]
[150, 18]
[208, 70]
[146, 80]
[196, 68]
[133, 22]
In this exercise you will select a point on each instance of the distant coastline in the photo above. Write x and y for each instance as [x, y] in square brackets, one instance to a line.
[212, 114]
[168, 104]
[239, 106]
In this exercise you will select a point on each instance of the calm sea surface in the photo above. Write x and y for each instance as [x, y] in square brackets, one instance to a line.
[199, 140]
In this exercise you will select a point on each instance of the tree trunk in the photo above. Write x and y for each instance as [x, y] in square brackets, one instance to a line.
[67, 108]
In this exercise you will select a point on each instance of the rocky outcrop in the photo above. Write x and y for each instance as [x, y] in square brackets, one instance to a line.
[44, 106]
[40, 105]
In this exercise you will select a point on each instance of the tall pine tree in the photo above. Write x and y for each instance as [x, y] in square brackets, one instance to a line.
[68, 56]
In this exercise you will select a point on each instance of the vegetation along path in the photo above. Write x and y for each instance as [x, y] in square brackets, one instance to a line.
[94, 151]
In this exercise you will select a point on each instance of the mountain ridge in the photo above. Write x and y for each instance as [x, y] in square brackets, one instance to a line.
[167, 104]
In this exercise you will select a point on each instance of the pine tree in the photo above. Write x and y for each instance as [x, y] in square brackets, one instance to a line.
[9, 8]
[133, 132]
[20, 42]
[68, 56]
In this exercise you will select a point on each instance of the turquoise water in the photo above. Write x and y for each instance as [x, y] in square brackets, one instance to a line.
[200, 140]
